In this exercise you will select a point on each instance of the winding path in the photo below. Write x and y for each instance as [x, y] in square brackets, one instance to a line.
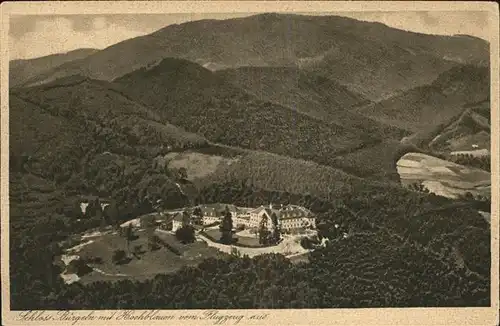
[180, 188]
[107, 274]
[282, 248]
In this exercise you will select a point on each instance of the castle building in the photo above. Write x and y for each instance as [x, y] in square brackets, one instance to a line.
[177, 221]
[289, 217]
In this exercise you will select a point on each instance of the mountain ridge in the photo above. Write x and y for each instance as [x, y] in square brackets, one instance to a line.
[277, 40]
[429, 105]
[22, 70]
[308, 93]
[224, 113]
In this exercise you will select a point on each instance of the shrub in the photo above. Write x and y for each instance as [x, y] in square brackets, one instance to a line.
[78, 267]
[185, 234]
[153, 243]
[94, 260]
[119, 256]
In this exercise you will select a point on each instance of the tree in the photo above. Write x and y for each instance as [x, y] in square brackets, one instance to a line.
[197, 211]
[75, 210]
[182, 174]
[154, 242]
[93, 208]
[186, 219]
[185, 234]
[103, 225]
[129, 235]
[264, 234]
[226, 227]
[469, 196]
[137, 250]
[119, 256]
[197, 216]
[78, 267]
[276, 234]
[149, 223]
[235, 252]
[110, 213]
[94, 260]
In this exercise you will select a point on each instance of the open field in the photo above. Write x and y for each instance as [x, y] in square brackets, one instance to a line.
[443, 177]
[149, 262]
[200, 165]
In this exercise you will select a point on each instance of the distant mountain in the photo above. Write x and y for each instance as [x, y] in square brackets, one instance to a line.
[469, 131]
[369, 58]
[303, 91]
[22, 70]
[308, 93]
[203, 102]
[425, 107]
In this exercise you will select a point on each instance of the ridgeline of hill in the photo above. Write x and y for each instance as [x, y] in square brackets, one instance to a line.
[177, 105]
[368, 58]
[202, 102]
[308, 93]
[428, 106]
[87, 137]
[22, 70]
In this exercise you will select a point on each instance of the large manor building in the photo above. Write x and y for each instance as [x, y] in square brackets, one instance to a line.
[289, 217]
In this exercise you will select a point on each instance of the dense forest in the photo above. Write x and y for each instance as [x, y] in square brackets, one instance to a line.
[205, 103]
[402, 247]
[480, 162]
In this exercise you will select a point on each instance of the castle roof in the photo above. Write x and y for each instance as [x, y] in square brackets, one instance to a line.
[257, 210]
[177, 217]
[217, 209]
[268, 210]
[294, 212]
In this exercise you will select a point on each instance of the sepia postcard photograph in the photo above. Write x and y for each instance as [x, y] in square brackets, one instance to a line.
[249, 163]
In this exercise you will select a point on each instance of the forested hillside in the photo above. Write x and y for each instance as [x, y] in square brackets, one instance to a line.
[464, 139]
[433, 104]
[22, 70]
[200, 101]
[408, 249]
[369, 58]
[308, 93]
[82, 118]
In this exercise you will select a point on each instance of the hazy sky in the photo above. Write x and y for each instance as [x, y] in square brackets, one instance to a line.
[36, 36]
